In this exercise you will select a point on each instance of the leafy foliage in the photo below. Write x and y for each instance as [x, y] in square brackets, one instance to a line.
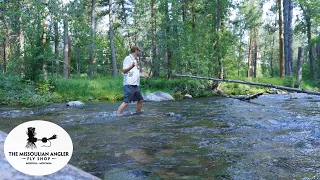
[15, 90]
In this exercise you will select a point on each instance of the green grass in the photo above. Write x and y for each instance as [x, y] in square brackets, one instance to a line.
[111, 89]
[102, 88]
[15, 90]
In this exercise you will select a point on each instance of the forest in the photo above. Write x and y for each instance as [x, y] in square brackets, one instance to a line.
[56, 51]
[234, 39]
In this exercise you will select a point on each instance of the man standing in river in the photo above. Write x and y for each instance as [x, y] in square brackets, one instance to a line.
[131, 80]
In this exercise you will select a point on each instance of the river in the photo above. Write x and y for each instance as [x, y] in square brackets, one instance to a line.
[274, 137]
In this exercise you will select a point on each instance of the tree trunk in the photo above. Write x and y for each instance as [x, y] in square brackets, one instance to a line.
[168, 37]
[4, 70]
[92, 32]
[264, 59]
[288, 33]
[253, 83]
[20, 41]
[285, 36]
[78, 60]
[318, 54]
[44, 71]
[155, 63]
[271, 60]
[217, 58]
[44, 41]
[299, 71]
[255, 53]
[56, 46]
[239, 60]
[311, 58]
[307, 18]
[280, 39]
[113, 52]
[3, 40]
[255, 60]
[123, 12]
[184, 10]
[44, 33]
[124, 19]
[240, 50]
[69, 54]
[218, 24]
[21, 55]
[290, 37]
[66, 49]
[176, 38]
[249, 55]
[193, 15]
[239, 56]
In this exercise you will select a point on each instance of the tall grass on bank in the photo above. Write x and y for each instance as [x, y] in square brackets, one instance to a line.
[15, 90]
[101, 88]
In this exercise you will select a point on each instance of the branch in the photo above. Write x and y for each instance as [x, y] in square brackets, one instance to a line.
[247, 98]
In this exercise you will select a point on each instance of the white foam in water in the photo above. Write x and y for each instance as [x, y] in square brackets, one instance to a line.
[114, 114]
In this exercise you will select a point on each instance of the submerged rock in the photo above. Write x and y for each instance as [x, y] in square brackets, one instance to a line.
[122, 173]
[139, 155]
[75, 103]
[158, 96]
[170, 114]
[300, 96]
[140, 173]
[277, 91]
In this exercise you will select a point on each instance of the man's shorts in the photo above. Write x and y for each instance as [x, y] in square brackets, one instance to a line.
[132, 93]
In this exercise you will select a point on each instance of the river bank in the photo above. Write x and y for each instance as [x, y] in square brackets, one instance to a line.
[17, 91]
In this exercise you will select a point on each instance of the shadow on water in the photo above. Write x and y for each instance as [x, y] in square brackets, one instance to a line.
[210, 138]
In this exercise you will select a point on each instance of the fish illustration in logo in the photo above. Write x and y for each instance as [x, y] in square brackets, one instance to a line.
[31, 144]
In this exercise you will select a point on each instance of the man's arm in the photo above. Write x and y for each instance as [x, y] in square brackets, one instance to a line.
[126, 70]
[127, 65]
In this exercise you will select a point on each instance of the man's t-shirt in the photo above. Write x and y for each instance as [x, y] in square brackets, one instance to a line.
[133, 76]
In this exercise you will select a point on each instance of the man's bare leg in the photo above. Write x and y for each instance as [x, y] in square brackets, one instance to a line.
[139, 106]
[121, 107]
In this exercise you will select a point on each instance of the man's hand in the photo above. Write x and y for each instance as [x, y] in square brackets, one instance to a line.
[144, 75]
[133, 64]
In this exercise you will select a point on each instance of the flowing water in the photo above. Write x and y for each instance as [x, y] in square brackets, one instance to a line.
[274, 137]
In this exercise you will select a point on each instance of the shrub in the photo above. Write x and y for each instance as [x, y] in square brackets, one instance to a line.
[15, 90]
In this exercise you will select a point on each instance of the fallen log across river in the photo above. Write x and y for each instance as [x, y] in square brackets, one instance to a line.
[253, 83]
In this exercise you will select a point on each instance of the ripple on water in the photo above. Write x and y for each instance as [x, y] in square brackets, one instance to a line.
[216, 138]
[16, 113]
